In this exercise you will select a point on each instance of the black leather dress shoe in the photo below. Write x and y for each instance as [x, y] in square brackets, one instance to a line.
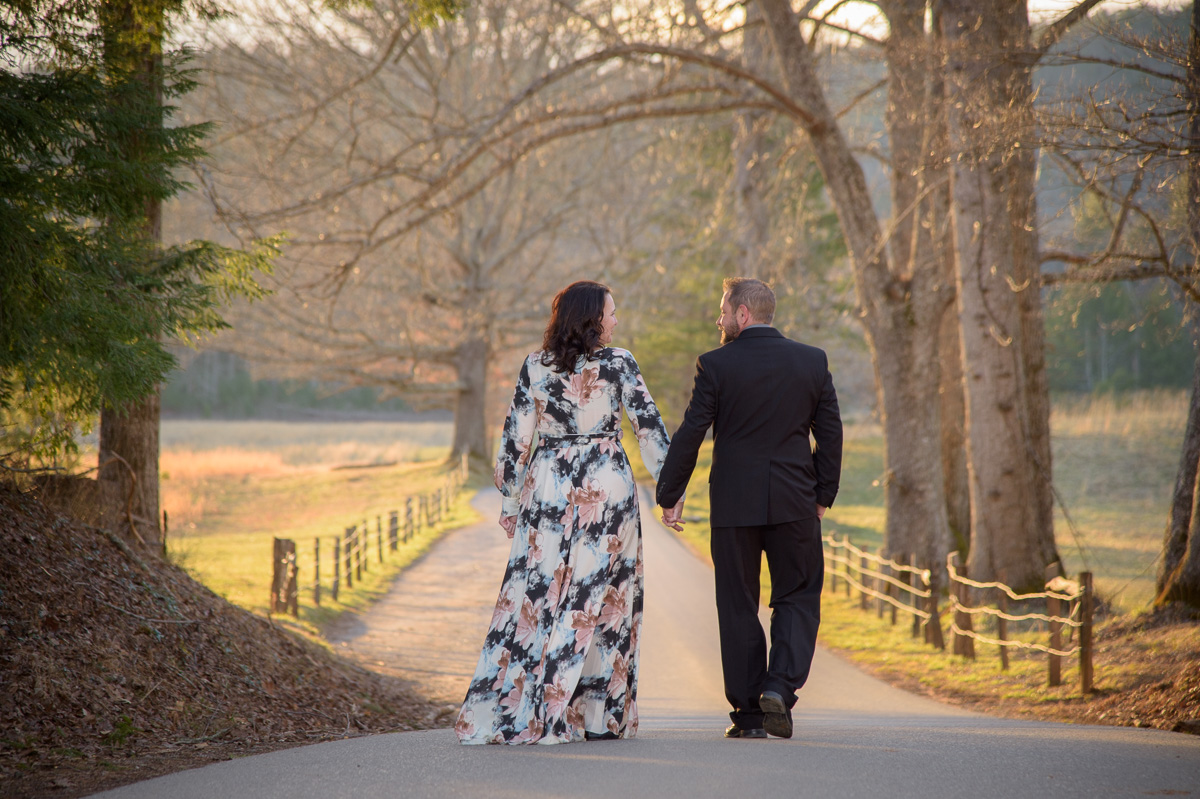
[777, 717]
[735, 731]
[600, 736]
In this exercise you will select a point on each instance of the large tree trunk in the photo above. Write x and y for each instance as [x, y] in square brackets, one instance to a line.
[128, 475]
[988, 93]
[470, 410]
[956, 484]
[954, 433]
[751, 218]
[129, 471]
[1179, 571]
[901, 309]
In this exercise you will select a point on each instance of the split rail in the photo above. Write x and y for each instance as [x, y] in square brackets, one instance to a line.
[351, 550]
[888, 585]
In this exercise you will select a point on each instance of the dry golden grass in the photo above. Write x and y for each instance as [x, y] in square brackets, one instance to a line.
[1115, 460]
[229, 488]
[186, 475]
[1151, 412]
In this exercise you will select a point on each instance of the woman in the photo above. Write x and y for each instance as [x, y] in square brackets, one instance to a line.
[560, 659]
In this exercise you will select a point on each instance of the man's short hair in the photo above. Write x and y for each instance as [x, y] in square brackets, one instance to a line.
[754, 294]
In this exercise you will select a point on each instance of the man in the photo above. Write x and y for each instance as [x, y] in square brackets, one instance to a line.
[763, 395]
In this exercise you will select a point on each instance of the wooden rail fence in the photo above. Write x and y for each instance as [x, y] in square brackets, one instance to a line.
[888, 585]
[351, 550]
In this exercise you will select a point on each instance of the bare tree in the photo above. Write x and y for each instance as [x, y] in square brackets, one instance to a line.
[1129, 146]
[367, 106]
[901, 304]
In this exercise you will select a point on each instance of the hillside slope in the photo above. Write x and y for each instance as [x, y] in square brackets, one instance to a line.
[116, 666]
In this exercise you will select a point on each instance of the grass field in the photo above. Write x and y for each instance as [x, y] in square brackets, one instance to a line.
[229, 488]
[1114, 469]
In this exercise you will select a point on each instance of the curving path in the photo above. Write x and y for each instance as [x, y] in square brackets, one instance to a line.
[855, 736]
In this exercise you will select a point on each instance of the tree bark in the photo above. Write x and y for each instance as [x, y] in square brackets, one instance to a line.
[901, 308]
[128, 474]
[1179, 541]
[751, 217]
[954, 434]
[956, 484]
[988, 96]
[470, 410]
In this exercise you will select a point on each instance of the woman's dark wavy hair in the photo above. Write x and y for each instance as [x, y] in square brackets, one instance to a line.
[574, 327]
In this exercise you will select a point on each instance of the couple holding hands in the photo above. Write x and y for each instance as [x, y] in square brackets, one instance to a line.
[560, 659]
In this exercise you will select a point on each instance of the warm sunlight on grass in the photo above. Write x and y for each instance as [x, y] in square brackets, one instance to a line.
[1114, 468]
[1115, 460]
[230, 488]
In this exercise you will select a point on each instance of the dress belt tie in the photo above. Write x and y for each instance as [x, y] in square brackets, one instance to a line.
[576, 439]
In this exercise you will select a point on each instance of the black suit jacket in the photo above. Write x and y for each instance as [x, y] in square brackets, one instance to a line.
[763, 394]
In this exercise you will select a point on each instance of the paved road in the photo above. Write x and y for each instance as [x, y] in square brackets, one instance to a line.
[855, 736]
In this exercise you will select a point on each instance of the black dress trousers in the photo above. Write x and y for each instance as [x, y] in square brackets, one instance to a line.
[797, 569]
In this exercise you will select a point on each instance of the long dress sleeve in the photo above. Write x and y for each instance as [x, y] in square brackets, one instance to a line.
[644, 416]
[514, 444]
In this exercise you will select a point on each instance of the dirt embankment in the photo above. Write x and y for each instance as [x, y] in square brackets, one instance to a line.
[116, 667]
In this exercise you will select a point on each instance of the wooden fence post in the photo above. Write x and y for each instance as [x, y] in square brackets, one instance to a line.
[278, 575]
[914, 581]
[358, 554]
[393, 530]
[1053, 609]
[337, 565]
[862, 580]
[408, 520]
[1002, 623]
[933, 627]
[379, 536]
[955, 637]
[846, 546]
[284, 588]
[293, 583]
[879, 584]
[348, 552]
[1085, 633]
[832, 567]
[964, 619]
[317, 571]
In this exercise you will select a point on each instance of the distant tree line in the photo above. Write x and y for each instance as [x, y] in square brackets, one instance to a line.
[219, 385]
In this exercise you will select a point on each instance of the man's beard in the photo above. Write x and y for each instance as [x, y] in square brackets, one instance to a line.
[730, 331]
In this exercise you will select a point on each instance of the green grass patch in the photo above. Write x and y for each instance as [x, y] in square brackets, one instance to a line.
[227, 503]
[1114, 468]
[891, 652]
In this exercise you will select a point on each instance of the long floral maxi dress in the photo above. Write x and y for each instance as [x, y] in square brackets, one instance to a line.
[561, 654]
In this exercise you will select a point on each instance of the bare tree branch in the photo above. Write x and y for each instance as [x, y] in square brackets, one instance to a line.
[1057, 29]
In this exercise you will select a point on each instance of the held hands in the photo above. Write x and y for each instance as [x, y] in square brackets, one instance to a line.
[673, 517]
[509, 523]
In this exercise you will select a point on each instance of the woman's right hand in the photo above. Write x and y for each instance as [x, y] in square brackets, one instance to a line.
[509, 523]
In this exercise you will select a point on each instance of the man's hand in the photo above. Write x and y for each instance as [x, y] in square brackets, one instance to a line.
[509, 523]
[673, 517]
[820, 512]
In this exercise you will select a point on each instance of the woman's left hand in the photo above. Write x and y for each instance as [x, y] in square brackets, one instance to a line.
[509, 523]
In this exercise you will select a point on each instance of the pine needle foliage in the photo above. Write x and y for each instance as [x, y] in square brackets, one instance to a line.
[88, 298]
